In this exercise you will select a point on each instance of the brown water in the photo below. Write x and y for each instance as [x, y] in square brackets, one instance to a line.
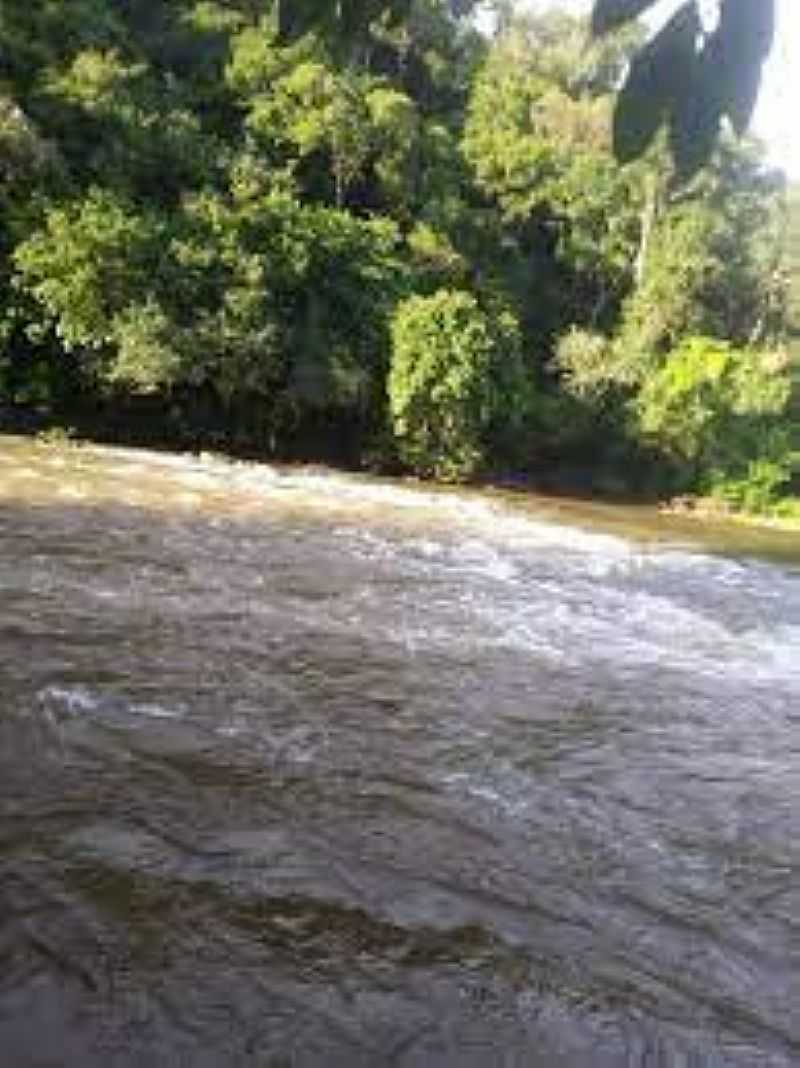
[300, 769]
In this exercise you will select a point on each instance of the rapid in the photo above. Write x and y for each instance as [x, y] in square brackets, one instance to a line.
[306, 769]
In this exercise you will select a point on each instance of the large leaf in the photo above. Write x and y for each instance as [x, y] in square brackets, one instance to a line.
[724, 81]
[737, 50]
[670, 79]
[694, 120]
[659, 76]
[609, 14]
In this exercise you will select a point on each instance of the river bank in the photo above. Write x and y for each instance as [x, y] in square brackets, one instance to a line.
[786, 514]
[150, 425]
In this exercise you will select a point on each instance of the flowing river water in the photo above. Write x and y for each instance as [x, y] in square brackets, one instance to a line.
[300, 769]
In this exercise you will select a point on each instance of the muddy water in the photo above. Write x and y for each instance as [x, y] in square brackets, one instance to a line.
[300, 769]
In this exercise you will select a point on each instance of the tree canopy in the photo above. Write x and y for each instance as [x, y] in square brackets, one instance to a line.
[370, 232]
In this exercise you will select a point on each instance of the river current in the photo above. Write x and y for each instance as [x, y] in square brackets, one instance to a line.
[302, 769]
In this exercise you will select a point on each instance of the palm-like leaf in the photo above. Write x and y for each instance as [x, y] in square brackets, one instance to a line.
[689, 86]
[609, 14]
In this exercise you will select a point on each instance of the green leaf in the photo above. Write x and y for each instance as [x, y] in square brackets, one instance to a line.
[737, 49]
[671, 78]
[657, 81]
[694, 123]
[724, 79]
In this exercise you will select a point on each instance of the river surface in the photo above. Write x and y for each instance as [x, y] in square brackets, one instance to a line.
[298, 769]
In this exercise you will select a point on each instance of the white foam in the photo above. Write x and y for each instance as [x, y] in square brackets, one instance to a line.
[73, 699]
[80, 700]
[155, 711]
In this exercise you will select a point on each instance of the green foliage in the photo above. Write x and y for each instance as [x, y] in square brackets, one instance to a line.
[665, 306]
[707, 264]
[759, 491]
[301, 109]
[455, 370]
[719, 411]
[287, 304]
[368, 231]
[341, 22]
[790, 263]
[394, 139]
[145, 356]
[586, 363]
[436, 262]
[57, 437]
[538, 137]
[540, 112]
[89, 262]
[25, 156]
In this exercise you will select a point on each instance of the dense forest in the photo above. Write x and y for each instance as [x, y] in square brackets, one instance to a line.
[405, 246]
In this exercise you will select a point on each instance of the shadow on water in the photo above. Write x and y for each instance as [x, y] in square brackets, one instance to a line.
[302, 770]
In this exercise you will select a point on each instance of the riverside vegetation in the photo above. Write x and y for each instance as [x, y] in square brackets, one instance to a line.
[407, 246]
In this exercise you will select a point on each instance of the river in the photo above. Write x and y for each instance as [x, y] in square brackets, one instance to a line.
[304, 769]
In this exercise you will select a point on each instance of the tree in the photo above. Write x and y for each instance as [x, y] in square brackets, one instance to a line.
[671, 80]
[361, 230]
[791, 265]
[348, 22]
[538, 136]
[90, 262]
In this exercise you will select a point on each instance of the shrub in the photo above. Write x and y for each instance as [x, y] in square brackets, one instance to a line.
[145, 357]
[456, 374]
[91, 261]
[758, 490]
[721, 412]
[583, 357]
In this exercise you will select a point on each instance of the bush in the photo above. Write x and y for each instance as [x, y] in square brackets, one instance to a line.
[721, 413]
[145, 359]
[583, 357]
[91, 261]
[456, 376]
[759, 490]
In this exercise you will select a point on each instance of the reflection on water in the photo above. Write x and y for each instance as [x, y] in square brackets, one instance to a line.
[297, 769]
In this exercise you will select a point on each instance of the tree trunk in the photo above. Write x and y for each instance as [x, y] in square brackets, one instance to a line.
[648, 220]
